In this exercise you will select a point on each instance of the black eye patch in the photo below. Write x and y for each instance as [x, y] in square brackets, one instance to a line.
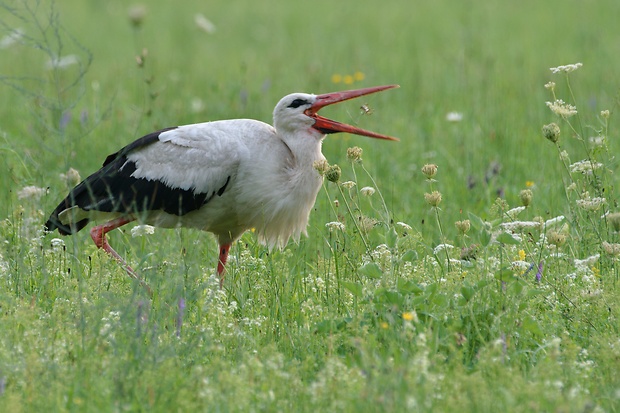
[297, 103]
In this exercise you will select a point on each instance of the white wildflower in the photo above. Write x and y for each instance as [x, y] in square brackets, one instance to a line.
[404, 226]
[31, 192]
[562, 109]
[367, 190]
[585, 167]
[564, 156]
[348, 184]
[442, 247]
[597, 142]
[550, 85]
[591, 204]
[197, 105]
[62, 62]
[520, 265]
[566, 68]
[554, 221]
[512, 213]
[57, 243]
[204, 24]
[11, 38]
[587, 262]
[454, 116]
[517, 226]
[142, 230]
[335, 225]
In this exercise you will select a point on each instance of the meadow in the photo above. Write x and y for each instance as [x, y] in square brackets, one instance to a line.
[486, 283]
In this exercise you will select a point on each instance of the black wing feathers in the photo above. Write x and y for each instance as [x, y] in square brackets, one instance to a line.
[113, 189]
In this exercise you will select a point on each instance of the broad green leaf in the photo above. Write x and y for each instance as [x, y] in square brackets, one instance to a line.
[354, 288]
[370, 270]
[476, 221]
[391, 237]
[506, 238]
[485, 237]
[409, 256]
[505, 274]
[408, 287]
[467, 292]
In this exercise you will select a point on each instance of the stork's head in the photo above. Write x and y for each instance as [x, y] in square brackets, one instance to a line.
[297, 113]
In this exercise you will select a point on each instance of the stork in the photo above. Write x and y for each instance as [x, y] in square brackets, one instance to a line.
[225, 177]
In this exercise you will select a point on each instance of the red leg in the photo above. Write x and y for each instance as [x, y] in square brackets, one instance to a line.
[221, 269]
[98, 235]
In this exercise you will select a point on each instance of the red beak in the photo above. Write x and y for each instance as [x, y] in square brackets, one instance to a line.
[331, 126]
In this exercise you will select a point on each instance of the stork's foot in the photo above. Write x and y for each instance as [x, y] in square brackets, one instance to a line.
[221, 264]
[98, 235]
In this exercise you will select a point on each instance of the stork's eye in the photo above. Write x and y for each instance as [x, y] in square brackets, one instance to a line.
[297, 103]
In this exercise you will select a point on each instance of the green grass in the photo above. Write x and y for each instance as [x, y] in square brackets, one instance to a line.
[374, 317]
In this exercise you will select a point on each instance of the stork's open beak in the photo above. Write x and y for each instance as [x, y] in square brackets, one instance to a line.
[331, 126]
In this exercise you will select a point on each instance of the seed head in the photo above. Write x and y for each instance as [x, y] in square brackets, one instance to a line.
[463, 226]
[526, 196]
[605, 114]
[354, 154]
[71, 177]
[614, 220]
[367, 191]
[333, 173]
[556, 238]
[551, 132]
[611, 249]
[433, 199]
[321, 166]
[429, 170]
[136, 14]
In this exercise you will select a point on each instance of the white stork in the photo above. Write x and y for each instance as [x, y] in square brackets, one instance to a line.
[224, 177]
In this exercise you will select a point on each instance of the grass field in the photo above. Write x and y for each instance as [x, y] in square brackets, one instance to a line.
[501, 296]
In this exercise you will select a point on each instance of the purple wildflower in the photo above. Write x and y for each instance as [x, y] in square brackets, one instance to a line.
[540, 271]
[180, 316]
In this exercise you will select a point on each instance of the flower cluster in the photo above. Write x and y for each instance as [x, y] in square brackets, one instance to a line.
[560, 108]
[566, 68]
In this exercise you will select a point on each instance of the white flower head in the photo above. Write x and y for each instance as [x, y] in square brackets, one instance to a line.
[10, 39]
[57, 243]
[597, 141]
[335, 225]
[367, 191]
[566, 68]
[454, 116]
[585, 167]
[31, 192]
[204, 24]
[516, 226]
[404, 226]
[591, 204]
[348, 184]
[554, 221]
[142, 230]
[560, 108]
[442, 247]
[62, 62]
[512, 213]
[587, 262]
